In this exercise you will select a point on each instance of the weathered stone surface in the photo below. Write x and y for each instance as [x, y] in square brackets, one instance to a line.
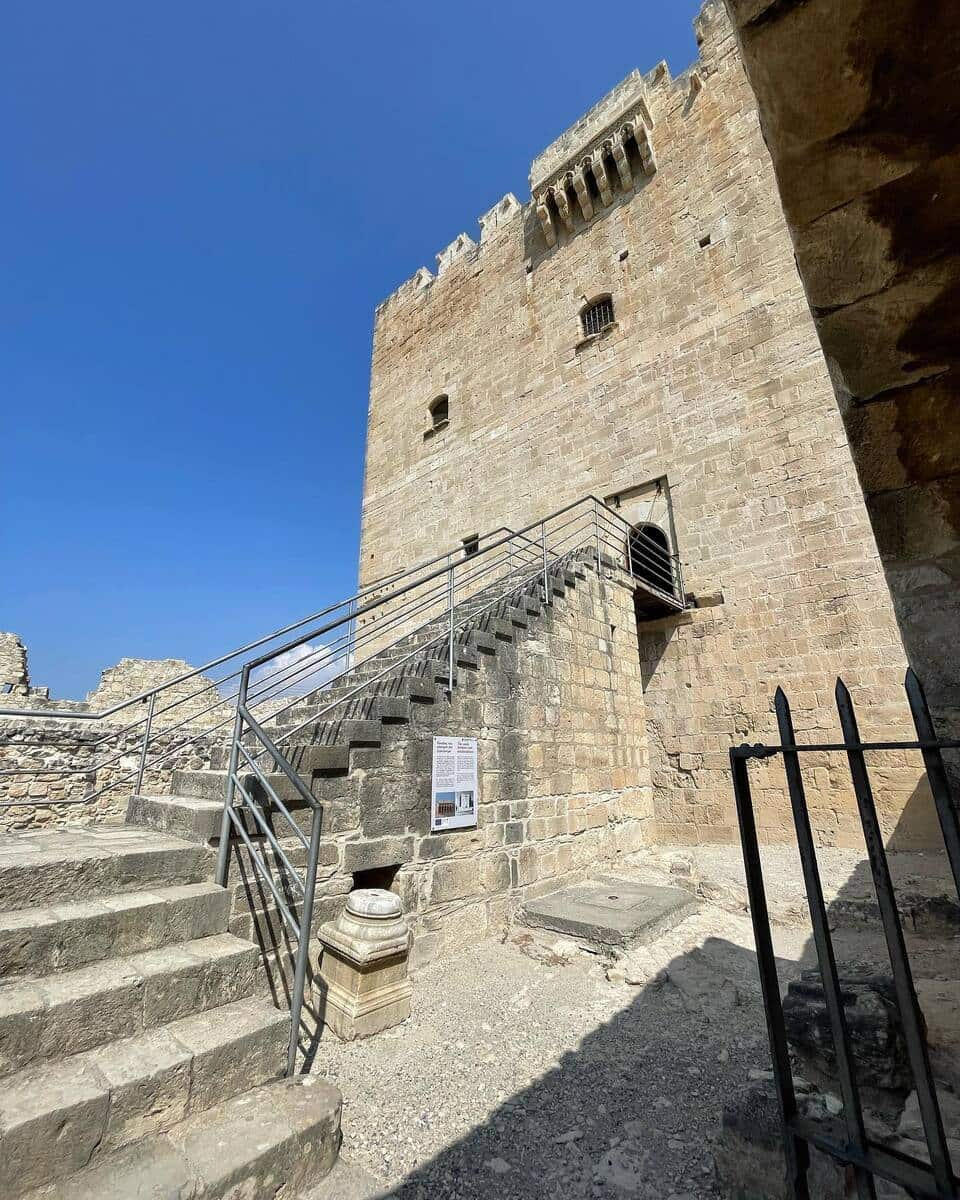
[283, 1135]
[376, 852]
[231, 1046]
[610, 911]
[52, 1124]
[455, 879]
[911, 1124]
[50, 866]
[873, 1023]
[748, 1155]
[67, 936]
[700, 987]
[859, 110]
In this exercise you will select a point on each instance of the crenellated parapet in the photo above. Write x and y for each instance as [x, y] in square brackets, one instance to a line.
[608, 153]
[463, 247]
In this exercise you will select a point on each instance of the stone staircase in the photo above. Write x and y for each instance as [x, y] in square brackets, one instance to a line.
[345, 755]
[401, 682]
[138, 1054]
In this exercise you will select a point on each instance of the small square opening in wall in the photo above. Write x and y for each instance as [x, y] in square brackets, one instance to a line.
[704, 242]
[376, 877]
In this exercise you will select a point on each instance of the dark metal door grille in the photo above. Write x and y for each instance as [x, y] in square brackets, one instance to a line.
[866, 1158]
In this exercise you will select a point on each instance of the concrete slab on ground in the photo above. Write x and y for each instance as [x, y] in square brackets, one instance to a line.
[610, 912]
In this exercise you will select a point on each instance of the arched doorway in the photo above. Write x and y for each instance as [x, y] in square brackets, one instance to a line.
[648, 555]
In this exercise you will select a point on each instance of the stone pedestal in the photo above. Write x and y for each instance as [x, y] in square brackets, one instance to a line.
[363, 972]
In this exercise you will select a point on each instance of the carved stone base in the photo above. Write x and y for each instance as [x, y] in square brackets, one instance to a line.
[363, 972]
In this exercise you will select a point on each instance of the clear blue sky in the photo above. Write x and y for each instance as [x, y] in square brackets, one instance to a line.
[200, 205]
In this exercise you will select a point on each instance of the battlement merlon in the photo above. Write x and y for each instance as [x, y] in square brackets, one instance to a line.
[610, 146]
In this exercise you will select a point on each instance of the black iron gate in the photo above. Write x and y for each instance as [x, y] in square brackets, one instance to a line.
[866, 1158]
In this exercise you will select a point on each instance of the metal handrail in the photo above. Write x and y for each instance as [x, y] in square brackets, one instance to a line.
[406, 603]
[141, 697]
[422, 613]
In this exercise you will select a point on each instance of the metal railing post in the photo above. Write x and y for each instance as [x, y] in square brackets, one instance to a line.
[936, 773]
[675, 559]
[596, 529]
[226, 824]
[826, 958]
[303, 943]
[450, 611]
[546, 573]
[796, 1152]
[141, 766]
[911, 1016]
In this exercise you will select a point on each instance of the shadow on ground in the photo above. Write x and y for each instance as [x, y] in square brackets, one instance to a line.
[635, 1109]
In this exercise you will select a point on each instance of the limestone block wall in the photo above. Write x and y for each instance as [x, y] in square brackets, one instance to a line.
[861, 114]
[712, 378]
[564, 778]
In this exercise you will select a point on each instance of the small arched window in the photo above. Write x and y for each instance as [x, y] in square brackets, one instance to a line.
[598, 316]
[648, 552]
[440, 412]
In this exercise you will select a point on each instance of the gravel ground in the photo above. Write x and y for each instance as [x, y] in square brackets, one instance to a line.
[519, 1077]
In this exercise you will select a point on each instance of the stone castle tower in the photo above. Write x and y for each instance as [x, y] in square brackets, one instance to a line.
[638, 331]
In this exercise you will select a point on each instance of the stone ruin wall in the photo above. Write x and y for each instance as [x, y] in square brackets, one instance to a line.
[713, 378]
[13, 662]
[61, 759]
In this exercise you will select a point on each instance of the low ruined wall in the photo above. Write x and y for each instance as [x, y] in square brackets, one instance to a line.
[60, 760]
[194, 699]
[69, 760]
[13, 661]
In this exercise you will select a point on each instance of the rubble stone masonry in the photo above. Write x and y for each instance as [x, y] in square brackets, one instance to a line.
[54, 760]
[711, 378]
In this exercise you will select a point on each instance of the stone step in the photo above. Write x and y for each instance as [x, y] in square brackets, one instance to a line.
[200, 785]
[46, 867]
[347, 1181]
[392, 709]
[279, 1139]
[61, 937]
[189, 817]
[501, 628]
[62, 1116]
[318, 760]
[484, 641]
[516, 616]
[78, 1010]
[348, 731]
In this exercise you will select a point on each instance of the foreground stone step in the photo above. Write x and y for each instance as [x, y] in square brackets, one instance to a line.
[279, 1140]
[610, 913]
[347, 1181]
[41, 941]
[79, 1010]
[189, 817]
[62, 1116]
[39, 868]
